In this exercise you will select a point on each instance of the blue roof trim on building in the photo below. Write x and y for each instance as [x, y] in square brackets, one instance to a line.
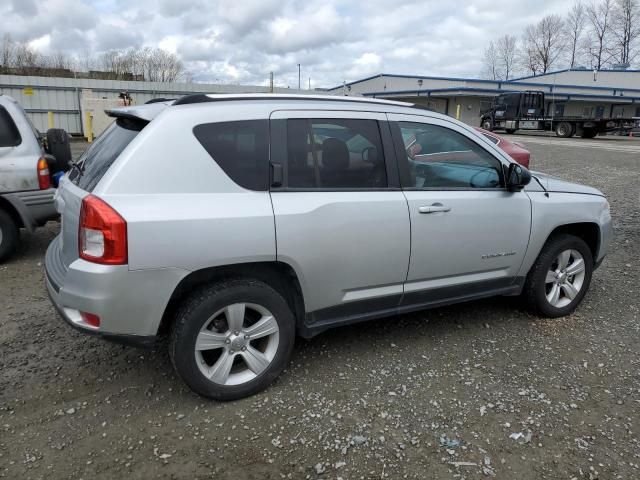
[426, 93]
[504, 82]
[571, 70]
[424, 77]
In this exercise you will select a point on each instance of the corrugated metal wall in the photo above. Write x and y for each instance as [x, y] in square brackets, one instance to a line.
[40, 95]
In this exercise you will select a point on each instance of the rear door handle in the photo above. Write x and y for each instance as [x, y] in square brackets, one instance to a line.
[436, 207]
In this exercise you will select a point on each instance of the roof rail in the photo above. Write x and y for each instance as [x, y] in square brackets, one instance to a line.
[202, 98]
[158, 100]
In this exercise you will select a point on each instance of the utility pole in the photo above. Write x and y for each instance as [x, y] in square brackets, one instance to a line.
[271, 82]
[298, 76]
[309, 83]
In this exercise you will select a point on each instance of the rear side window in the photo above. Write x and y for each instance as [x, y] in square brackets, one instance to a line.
[334, 154]
[491, 138]
[9, 134]
[99, 157]
[240, 148]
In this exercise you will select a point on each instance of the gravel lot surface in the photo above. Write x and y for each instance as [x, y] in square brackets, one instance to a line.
[477, 390]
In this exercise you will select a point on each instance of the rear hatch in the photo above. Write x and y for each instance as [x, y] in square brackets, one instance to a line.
[85, 174]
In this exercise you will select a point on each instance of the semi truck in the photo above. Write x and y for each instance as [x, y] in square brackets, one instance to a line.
[511, 111]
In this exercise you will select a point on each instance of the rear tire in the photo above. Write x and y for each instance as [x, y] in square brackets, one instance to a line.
[589, 133]
[216, 347]
[510, 131]
[553, 289]
[564, 130]
[9, 236]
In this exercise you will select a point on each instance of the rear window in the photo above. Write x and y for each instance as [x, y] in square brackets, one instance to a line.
[99, 157]
[240, 148]
[9, 134]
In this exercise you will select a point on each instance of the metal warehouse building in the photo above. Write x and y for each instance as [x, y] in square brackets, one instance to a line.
[70, 98]
[573, 92]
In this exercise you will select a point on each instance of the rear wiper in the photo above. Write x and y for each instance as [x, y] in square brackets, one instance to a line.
[77, 166]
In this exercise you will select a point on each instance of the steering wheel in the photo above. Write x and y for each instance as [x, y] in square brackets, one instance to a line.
[481, 172]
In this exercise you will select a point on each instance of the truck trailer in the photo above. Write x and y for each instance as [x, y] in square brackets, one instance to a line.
[511, 111]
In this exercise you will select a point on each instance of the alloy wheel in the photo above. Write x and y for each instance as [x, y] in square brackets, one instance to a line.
[565, 278]
[237, 343]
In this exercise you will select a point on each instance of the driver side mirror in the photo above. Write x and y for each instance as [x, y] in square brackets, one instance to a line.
[517, 177]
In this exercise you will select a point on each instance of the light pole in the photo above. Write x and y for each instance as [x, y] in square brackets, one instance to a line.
[298, 76]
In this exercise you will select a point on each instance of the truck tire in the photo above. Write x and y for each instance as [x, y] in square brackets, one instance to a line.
[510, 131]
[560, 276]
[589, 133]
[9, 235]
[564, 130]
[59, 146]
[487, 124]
[231, 339]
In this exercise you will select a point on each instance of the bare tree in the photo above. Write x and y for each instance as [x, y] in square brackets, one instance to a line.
[491, 70]
[574, 26]
[529, 59]
[599, 20]
[626, 30]
[24, 56]
[544, 43]
[506, 46]
[6, 51]
[151, 64]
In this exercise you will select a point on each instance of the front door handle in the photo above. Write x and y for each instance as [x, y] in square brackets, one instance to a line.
[435, 208]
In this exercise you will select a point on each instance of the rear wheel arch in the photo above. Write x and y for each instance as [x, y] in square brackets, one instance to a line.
[279, 275]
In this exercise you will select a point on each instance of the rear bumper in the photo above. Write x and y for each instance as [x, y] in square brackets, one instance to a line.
[140, 341]
[130, 304]
[35, 207]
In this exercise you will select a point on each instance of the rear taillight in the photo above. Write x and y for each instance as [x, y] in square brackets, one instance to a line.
[102, 233]
[44, 180]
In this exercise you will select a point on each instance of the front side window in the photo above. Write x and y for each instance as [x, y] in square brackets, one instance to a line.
[440, 158]
[334, 154]
[240, 148]
[9, 134]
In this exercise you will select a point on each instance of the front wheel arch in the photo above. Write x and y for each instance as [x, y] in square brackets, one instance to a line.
[587, 231]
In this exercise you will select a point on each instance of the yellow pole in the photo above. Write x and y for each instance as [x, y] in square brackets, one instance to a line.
[50, 114]
[458, 112]
[89, 126]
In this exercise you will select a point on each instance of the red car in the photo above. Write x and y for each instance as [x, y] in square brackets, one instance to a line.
[514, 149]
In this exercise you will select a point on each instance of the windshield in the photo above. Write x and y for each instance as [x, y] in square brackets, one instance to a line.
[99, 157]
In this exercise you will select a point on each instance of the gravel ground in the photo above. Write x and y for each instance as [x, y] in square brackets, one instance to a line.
[476, 390]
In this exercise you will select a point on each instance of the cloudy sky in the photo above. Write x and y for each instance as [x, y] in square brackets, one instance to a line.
[241, 41]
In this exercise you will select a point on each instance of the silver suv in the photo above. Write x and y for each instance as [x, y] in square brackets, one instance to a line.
[235, 223]
[26, 193]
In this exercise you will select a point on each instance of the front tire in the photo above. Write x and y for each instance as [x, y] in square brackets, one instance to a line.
[9, 236]
[232, 339]
[560, 277]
